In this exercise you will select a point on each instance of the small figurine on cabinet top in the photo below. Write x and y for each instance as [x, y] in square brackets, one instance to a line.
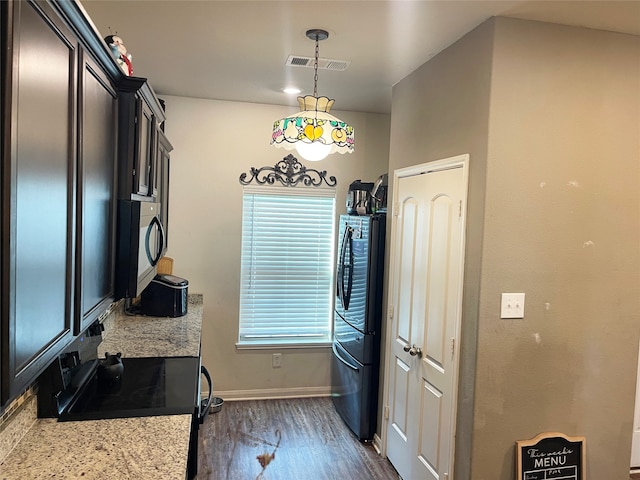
[120, 52]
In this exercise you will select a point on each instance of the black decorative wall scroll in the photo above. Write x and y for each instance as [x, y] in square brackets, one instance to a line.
[289, 172]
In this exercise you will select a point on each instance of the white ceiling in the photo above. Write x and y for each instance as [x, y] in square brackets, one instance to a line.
[236, 49]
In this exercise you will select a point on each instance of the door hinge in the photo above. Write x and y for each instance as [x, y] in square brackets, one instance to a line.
[390, 315]
[460, 209]
[453, 346]
[396, 208]
[386, 412]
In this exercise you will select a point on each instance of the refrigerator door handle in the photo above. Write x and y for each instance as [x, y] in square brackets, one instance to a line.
[339, 357]
[340, 272]
[345, 296]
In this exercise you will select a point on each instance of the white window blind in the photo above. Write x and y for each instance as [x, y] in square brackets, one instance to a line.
[287, 266]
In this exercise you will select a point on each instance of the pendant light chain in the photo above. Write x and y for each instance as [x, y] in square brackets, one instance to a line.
[314, 132]
[315, 71]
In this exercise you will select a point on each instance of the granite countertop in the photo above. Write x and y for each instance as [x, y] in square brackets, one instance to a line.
[140, 336]
[144, 448]
[123, 448]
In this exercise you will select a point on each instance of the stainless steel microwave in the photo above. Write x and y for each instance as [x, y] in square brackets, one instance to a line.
[141, 243]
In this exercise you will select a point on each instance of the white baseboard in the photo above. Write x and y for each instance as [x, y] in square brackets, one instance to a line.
[377, 443]
[273, 393]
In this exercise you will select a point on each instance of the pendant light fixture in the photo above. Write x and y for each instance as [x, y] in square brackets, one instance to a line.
[314, 132]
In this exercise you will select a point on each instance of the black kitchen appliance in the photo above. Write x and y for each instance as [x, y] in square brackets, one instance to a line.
[166, 296]
[72, 388]
[359, 198]
[140, 244]
[366, 198]
[379, 194]
[357, 322]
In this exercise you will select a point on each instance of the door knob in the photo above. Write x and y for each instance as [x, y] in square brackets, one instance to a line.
[412, 350]
[415, 351]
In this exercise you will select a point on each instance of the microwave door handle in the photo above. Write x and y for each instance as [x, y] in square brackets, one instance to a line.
[162, 240]
[147, 247]
[154, 260]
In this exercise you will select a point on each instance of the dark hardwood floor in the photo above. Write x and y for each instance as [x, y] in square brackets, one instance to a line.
[310, 440]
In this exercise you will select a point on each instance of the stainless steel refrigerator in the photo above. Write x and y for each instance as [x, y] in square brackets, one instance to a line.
[355, 367]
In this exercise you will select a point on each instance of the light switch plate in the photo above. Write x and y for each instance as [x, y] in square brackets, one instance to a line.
[512, 305]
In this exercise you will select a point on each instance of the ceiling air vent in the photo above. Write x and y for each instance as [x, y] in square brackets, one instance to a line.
[323, 63]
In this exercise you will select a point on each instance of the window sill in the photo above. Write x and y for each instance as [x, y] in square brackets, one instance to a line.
[281, 346]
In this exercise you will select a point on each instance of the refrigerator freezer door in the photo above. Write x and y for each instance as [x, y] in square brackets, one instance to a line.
[355, 393]
[360, 346]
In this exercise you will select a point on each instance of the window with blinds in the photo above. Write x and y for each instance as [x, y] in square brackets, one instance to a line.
[287, 266]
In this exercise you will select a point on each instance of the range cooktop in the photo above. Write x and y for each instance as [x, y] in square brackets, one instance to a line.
[147, 386]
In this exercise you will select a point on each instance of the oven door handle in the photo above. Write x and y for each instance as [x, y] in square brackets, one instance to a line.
[206, 405]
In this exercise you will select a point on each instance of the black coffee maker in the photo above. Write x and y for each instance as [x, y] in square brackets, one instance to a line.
[366, 198]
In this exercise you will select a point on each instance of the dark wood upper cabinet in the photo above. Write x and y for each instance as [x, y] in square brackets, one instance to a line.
[145, 142]
[77, 135]
[161, 182]
[97, 193]
[139, 115]
[38, 190]
[59, 115]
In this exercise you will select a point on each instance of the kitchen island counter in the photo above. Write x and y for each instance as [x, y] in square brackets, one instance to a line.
[140, 448]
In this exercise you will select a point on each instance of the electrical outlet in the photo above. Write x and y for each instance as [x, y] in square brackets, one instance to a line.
[512, 305]
[276, 360]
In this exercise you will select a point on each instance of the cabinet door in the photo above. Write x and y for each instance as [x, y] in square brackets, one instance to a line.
[40, 209]
[162, 182]
[96, 202]
[145, 146]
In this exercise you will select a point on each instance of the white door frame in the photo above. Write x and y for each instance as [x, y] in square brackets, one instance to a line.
[635, 439]
[437, 165]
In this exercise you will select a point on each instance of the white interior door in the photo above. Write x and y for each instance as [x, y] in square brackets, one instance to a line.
[635, 443]
[425, 300]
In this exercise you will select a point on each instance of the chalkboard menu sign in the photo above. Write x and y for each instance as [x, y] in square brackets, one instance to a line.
[551, 456]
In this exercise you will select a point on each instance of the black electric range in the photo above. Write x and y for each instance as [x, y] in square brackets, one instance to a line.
[148, 386]
[74, 387]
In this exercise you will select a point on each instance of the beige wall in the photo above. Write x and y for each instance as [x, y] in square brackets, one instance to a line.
[216, 141]
[552, 127]
[561, 225]
[439, 111]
